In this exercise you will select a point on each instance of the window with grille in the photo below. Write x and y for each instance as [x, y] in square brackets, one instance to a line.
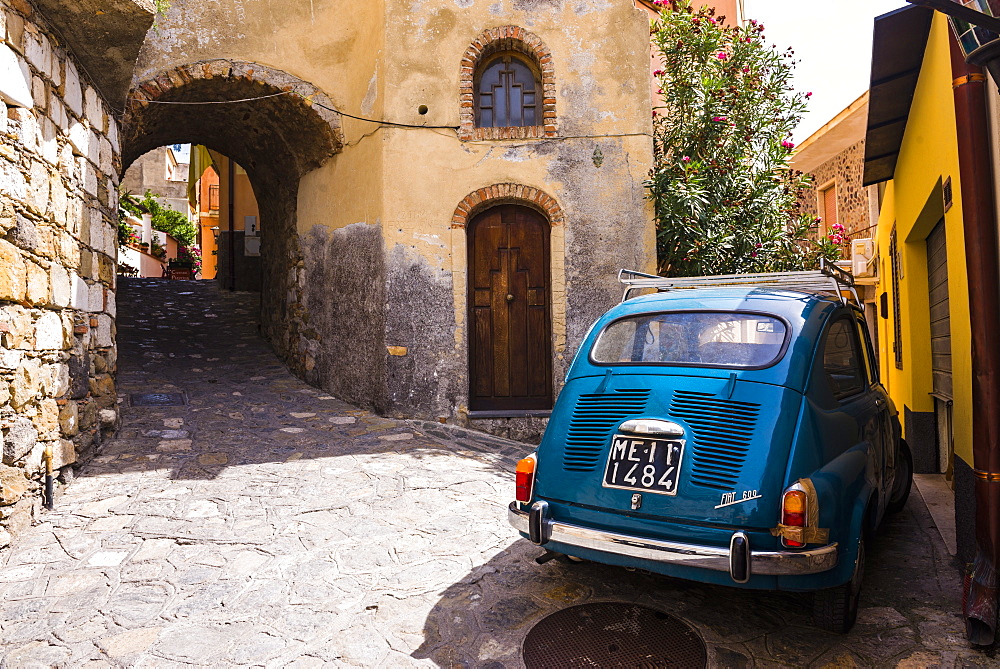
[507, 91]
[897, 326]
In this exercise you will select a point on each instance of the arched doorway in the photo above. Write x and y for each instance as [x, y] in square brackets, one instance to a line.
[510, 341]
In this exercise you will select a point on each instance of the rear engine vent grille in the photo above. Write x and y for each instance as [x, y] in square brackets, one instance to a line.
[722, 431]
[594, 420]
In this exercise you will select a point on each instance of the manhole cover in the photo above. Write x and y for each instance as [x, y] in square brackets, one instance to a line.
[612, 635]
[158, 399]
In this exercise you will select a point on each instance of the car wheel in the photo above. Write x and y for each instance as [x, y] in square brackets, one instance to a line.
[904, 480]
[836, 609]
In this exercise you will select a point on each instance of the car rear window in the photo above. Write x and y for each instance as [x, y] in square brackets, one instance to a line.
[719, 339]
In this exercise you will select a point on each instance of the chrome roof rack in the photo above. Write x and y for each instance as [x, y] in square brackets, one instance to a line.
[827, 279]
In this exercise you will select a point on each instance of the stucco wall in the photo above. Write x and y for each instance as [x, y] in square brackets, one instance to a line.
[928, 154]
[150, 173]
[366, 255]
[59, 159]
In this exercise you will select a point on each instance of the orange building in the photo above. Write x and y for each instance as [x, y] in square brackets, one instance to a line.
[208, 220]
[227, 209]
[732, 10]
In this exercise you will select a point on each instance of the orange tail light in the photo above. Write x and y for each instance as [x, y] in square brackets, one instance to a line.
[525, 473]
[794, 512]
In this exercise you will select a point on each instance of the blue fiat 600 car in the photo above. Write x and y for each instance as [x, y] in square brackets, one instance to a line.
[730, 430]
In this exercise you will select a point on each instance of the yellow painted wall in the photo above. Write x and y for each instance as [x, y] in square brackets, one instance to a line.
[350, 50]
[928, 153]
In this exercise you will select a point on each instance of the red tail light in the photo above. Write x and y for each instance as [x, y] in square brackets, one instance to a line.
[525, 473]
[794, 512]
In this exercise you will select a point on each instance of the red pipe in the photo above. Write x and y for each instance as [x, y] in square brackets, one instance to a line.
[979, 219]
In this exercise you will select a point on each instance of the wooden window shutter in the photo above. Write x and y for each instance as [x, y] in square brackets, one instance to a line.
[830, 206]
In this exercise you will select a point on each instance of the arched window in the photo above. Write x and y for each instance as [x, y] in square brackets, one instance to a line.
[507, 87]
[507, 91]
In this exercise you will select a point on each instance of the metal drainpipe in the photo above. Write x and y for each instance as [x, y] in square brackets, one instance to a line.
[978, 209]
[232, 234]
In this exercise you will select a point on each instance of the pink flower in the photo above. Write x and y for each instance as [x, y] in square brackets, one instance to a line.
[758, 245]
[753, 255]
[660, 91]
[719, 118]
[686, 159]
[655, 114]
[788, 145]
[746, 70]
[722, 55]
[657, 73]
[809, 94]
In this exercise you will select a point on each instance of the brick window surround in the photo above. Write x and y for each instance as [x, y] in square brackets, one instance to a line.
[497, 40]
[506, 193]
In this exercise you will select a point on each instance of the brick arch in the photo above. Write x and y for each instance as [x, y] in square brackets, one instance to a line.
[297, 125]
[489, 42]
[506, 193]
[275, 126]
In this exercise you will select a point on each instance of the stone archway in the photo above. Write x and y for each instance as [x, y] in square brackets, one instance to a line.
[289, 119]
[275, 125]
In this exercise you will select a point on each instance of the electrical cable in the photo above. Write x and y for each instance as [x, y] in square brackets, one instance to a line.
[312, 102]
[392, 124]
[209, 102]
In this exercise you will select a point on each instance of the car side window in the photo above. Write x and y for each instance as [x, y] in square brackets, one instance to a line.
[842, 360]
[866, 350]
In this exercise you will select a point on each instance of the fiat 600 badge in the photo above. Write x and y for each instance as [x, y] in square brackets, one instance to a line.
[730, 430]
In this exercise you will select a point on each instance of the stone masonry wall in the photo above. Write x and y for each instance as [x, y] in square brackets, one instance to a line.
[59, 160]
[847, 170]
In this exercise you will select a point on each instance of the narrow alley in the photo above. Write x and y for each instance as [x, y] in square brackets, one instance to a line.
[242, 517]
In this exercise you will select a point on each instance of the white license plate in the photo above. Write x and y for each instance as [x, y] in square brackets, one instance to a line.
[647, 465]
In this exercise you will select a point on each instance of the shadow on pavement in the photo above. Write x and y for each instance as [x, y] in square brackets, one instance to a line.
[242, 405]
[910, 608]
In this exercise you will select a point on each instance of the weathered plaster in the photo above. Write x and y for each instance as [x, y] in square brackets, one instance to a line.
[364, 273]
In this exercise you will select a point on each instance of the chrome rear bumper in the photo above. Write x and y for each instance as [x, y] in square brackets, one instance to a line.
[739, 559]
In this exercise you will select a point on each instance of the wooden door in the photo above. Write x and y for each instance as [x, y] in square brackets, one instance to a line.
[510, 349]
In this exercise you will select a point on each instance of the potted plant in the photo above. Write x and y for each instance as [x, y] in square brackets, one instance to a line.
[186, 265]
[157, 251]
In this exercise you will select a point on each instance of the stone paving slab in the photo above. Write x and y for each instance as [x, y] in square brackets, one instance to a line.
[266, 523]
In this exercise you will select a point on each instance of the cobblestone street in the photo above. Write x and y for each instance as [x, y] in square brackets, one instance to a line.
[266, 523]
